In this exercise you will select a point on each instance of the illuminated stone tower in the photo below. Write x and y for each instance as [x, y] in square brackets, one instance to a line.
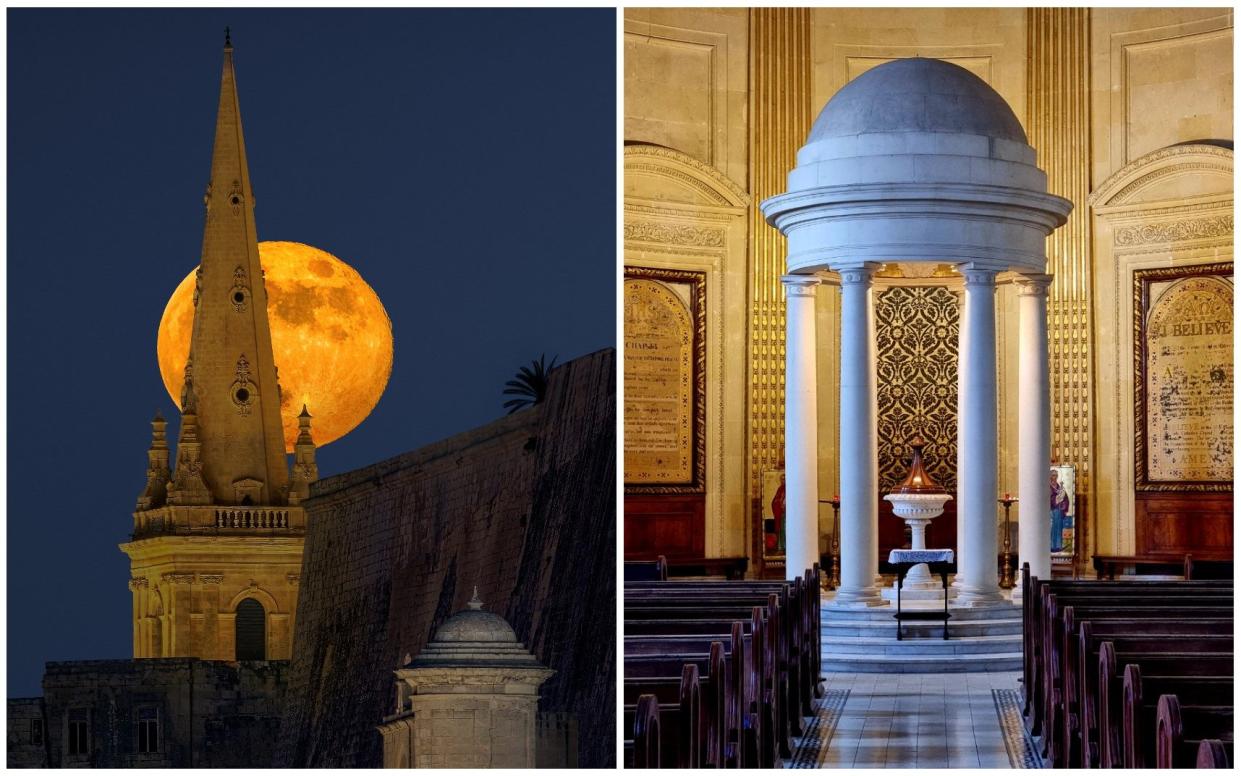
[216, 549]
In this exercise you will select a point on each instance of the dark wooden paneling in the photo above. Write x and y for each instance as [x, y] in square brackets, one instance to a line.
[668, 525]
[1183, 522]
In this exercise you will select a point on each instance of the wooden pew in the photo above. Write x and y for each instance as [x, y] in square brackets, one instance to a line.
[1214, 753]
[1040, 610]
[645, 743]
[717, 734]
[1180, 730]
[1080, 721]
[646, 570]
[753, 715]
[1128, 736]
[1185, 667]
[682, 731]
[1055, 671]
[1049, 668]
[665, 619]
[1088, 709]
[786, 643]
[799, 641]
[1034, 591]
[755, 674]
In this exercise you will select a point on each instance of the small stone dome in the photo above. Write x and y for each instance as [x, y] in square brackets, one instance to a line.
[474, 624]
[472, 637]
[917, 95]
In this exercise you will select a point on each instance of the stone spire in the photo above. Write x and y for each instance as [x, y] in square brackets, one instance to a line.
[158, 473]
[233, 390]
[305, 470]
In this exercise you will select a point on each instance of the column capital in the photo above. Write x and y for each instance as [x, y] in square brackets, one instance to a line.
[977, 276]
[799, 285]
[857, 273]
[1033, 285]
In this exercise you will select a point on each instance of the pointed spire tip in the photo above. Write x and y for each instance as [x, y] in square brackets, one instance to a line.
[228, 38]
[475, 602]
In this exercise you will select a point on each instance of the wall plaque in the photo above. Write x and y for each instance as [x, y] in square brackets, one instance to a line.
[665, 356]
[1183, 378]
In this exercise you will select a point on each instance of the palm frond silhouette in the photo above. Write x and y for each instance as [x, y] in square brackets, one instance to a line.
[530, 385]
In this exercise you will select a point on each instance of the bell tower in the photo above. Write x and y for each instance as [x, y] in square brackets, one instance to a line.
[216, 549]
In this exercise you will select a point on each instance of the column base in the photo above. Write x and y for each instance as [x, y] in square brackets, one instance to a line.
[971, 596]
[858, 597]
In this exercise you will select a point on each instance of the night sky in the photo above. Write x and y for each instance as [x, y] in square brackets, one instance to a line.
[463, 161]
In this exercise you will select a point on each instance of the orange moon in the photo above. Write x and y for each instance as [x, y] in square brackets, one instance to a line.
[330, 334]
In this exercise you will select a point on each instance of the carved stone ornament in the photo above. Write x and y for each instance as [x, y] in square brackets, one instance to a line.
[211, 579]
[675, 234]
[1176, 231]
[177, 578]
[239, 294]
[235, 198]
[243, 389]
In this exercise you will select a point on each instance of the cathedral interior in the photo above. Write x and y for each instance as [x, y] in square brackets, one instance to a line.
[930, 309]
[1130, 114]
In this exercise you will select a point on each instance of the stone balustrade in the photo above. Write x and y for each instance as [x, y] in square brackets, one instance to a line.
[219, 519]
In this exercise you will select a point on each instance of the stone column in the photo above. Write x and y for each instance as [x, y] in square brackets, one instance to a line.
[1034, 429]
[859, 444]
[801, 433]
[976, 437]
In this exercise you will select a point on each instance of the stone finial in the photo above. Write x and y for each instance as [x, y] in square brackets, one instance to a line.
[305, 469]
[919, 480]
[228, 38]
[475, 603]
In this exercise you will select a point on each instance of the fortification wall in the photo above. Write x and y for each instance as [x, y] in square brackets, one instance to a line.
[524, 507]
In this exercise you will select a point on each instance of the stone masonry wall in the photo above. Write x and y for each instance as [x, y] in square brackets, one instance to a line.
[524, 508]
[212, 714]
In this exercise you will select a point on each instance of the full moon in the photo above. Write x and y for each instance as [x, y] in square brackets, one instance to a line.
[330, 334]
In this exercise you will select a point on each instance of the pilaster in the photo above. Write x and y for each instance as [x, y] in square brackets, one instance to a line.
[780, 116]
[1058, 125]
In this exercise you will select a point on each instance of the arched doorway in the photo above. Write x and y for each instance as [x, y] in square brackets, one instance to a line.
[251, 638]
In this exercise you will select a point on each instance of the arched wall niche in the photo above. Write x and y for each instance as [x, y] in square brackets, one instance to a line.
[1171, 208]
[681, 214]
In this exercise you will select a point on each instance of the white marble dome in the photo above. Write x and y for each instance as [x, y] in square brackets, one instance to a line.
[917, 95]
[916, 161]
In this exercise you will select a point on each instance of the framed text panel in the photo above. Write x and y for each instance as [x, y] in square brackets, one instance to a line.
[1183, 378]
[665, 376]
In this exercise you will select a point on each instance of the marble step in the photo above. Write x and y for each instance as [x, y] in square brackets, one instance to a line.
[838, 626]
[836, 646]
[835, 614]
[872, 663]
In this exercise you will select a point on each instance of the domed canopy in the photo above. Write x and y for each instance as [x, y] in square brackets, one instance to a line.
[472, 637]
[917, 95]
[916, 161]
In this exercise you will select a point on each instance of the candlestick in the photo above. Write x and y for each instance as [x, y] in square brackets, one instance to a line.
[1006, 576]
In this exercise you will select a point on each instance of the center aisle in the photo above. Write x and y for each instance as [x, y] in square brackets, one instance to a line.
[919, 720]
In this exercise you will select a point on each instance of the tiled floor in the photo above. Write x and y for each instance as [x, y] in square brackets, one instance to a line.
[919, 720]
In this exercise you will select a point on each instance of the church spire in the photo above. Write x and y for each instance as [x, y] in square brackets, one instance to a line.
[233, 386]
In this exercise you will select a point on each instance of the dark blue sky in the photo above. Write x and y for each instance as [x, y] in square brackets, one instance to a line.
[463, 161]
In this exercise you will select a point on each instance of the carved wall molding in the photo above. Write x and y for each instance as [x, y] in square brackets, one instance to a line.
[1208, 228]
[177, 578]
[211, 579]
[692, 172]
[674, 234]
